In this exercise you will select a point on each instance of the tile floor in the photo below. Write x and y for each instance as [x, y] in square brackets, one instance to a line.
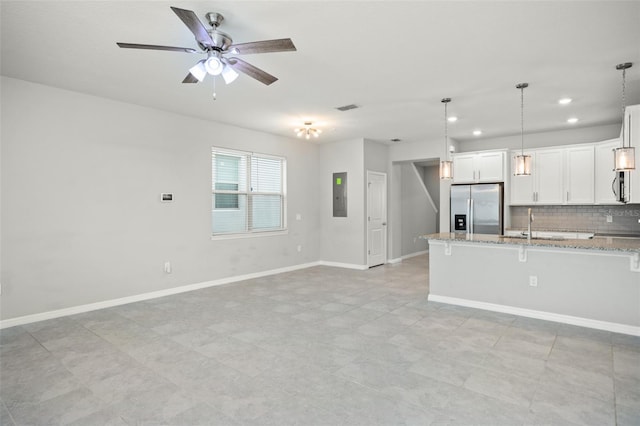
[321, 346]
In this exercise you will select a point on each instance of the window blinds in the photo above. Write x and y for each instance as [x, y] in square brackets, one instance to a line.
[248, 193]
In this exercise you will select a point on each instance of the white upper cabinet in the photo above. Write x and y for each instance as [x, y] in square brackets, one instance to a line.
[632, 138]
[604, 174]
[548, 173]
[545, 185]
[579, 175]
[522, 187]
[464, 168]
[475, 167]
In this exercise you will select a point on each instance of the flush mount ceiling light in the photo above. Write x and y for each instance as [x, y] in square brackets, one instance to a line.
[446, 165]
[523, 162]
[565, 101]
[572, 120]
[477, 132]
[307, 131]
[624, 157]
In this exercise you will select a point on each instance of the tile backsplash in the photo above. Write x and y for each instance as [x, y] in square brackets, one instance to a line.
[580, 218]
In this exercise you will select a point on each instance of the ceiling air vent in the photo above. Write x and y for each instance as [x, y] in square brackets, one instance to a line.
[347, 107]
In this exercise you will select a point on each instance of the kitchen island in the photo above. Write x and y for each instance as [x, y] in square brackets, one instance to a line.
[587, 282]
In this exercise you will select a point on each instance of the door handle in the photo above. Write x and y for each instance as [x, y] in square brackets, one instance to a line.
[384, 223]
[471, 218]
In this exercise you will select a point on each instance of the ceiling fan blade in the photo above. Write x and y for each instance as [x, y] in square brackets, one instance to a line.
[265, 46]
[156, 47]
[190, 78]
[252, 71]
[195, 26]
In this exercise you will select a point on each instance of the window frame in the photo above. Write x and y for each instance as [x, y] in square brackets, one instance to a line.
[249, 194]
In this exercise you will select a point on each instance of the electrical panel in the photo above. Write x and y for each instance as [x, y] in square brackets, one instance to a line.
[340, 194]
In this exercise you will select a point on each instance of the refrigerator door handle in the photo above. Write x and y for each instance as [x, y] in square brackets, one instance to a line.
[468, 215]
[471, 216]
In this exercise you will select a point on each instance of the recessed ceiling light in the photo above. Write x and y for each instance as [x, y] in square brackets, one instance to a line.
[572, 120]
[452, 119]
[565, 101]
[477, 132]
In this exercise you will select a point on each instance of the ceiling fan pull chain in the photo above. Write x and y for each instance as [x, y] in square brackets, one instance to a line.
[214, 89]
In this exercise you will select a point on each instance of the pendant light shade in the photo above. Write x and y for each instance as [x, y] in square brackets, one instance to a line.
[523, 165]
[624, 158]
[446, 169]
[523, 162]
[446, 165]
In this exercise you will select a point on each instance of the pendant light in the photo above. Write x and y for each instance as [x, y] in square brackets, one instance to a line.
[523, 162]
[624, 158]
[446, 165]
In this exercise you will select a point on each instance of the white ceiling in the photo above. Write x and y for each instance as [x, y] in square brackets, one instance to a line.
[395, 59]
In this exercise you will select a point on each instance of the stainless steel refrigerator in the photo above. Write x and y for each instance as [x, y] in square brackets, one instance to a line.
[477, 209]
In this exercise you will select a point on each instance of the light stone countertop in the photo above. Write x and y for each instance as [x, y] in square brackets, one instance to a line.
[597, 243]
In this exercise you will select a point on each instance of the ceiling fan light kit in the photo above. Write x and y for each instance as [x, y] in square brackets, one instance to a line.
[216, 45]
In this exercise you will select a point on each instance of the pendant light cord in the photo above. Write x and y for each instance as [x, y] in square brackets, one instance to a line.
[446, 137]
[624, 72]
[522, 120]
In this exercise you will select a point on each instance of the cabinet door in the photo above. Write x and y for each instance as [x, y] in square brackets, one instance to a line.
[521, 186]
[632, 133]
[490, 167]
[464, 168]
[548, 166]
[604, 173]
[579, 175]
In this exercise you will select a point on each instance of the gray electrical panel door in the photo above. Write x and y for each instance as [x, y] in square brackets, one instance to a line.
[340, 194]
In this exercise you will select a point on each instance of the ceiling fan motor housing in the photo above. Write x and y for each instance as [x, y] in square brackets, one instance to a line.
[221, 41]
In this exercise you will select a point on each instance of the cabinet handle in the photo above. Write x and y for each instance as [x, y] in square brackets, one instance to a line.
[478, 174]
[567, 196]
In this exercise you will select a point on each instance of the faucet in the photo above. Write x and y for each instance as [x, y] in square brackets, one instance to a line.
[531, 218]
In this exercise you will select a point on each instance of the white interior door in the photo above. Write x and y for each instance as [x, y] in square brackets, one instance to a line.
[376, 218]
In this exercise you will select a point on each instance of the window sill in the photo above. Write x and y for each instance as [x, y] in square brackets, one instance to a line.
[249, 235]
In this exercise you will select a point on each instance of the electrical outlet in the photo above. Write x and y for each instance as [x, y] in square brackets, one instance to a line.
[298, 216]
[167, 267]
[299, 249]
[609, 218]
[533, 280]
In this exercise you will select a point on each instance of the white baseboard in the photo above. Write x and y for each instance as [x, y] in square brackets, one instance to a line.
[343, 265]
[27, 319]
[408, 256]
[548, 316]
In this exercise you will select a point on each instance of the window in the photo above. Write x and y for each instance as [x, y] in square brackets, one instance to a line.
[248, 192]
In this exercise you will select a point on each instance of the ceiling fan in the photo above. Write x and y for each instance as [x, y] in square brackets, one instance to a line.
[216, 45]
